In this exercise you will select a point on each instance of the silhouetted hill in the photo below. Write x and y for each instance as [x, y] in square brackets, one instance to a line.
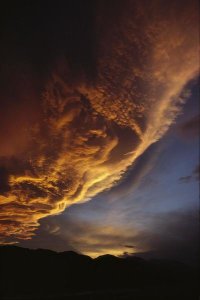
[31, 274]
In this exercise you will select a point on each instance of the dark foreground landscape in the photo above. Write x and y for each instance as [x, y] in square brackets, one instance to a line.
[44, 274]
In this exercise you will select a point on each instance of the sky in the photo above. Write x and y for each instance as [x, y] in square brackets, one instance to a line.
[99, 127]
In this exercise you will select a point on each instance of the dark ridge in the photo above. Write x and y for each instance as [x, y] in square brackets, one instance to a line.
[107, 257]
[40, 273]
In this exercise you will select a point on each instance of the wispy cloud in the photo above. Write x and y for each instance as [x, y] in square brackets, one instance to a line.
[194, 176]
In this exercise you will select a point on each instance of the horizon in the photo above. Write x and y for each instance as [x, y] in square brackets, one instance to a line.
[122, 257]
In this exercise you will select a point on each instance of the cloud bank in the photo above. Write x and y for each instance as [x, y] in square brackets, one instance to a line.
[88, 132]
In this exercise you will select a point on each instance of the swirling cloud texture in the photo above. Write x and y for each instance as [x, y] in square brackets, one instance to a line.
[88, 132]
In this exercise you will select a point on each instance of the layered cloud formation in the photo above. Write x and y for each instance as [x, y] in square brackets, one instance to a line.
[88, 132]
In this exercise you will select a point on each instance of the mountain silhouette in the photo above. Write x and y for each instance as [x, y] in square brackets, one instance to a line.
[45, 274]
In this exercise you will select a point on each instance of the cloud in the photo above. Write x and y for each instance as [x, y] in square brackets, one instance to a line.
[4, 184]
[190, 128]
[171, 235]
[174, 236]
[81, 236]
[129, 246]
[193, 176]
[196, 172]
[86, 132]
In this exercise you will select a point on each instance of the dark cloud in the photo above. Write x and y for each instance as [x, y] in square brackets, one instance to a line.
[174, 236]
[185, 179]
[196, 172]
[194, 176]
[4, 184]
[38, 33]
[190, 128]
[129, 246]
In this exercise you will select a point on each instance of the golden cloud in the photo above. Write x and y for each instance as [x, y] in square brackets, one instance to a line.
[89, 134]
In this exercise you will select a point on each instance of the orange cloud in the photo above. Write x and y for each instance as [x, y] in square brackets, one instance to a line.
[89, 134]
